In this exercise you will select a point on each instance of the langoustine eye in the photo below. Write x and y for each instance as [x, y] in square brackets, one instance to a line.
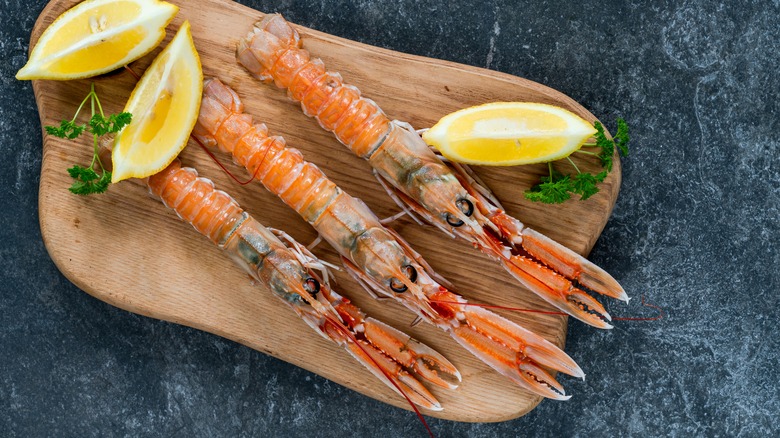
[397, 285]
[312, 286]
[466, 207]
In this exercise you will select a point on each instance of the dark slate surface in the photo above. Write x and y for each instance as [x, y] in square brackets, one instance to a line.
[695, 228]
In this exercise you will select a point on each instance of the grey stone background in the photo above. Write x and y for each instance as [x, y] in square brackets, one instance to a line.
[695, 229]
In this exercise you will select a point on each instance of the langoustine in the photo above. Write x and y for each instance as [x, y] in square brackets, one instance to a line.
[376, 256]
[290, 271]
[446, 195]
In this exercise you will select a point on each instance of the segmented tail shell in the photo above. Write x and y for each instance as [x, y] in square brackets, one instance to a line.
[212, 212]
[271, 51]
[300, 184]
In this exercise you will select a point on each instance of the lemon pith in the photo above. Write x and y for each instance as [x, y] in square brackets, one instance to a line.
[97, 36]
[165, 106]
[509, 133]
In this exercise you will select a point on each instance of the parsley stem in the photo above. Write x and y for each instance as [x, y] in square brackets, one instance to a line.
[549, 167]
[94, 150]
[95, 146]
[590, 144]
[100, 107]
[96, 156]
[93, 96]
[586, 152]
[78, 110]
[575, 166]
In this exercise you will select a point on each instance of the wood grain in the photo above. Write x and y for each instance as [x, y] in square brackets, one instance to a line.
[126, 249]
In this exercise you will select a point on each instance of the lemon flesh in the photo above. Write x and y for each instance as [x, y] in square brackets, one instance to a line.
[509, 133]
[98, 36]
[165, 106]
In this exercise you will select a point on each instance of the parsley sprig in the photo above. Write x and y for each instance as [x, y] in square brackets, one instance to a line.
[558, 187]
[89, 180]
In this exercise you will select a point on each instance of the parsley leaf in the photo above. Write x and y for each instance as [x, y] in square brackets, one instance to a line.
[585, 184]
[88, 181]
[85, 174]
[114, 123]
[621, 137]
[607, 146]
[67, 129]
[553, 189]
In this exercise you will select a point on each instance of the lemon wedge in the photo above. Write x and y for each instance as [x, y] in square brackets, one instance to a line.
[98, 36]
[509, 133]
[165, 106]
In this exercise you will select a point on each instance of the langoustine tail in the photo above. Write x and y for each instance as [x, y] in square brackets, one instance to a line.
[271, 51]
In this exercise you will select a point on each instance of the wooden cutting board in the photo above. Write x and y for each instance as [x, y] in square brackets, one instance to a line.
[125, 248]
